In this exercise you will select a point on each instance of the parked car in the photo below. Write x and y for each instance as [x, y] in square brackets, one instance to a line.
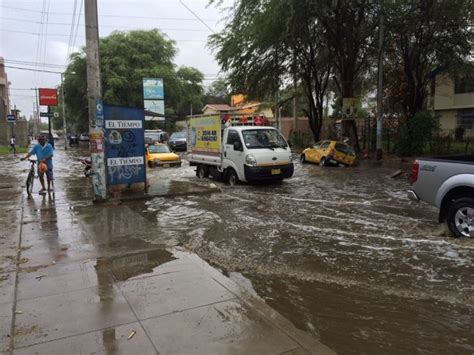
[447, 183]
[329, 152]
[159, 154]
[155, 136]
[84, 137]
[55, 136]
[178, 141]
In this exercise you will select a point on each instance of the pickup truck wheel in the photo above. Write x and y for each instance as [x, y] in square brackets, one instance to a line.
[461, 218]
[202, 172]
[303, 158]
[232, 178]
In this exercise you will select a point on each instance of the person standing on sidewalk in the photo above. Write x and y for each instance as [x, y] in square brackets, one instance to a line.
[44, 154]
[13, 144]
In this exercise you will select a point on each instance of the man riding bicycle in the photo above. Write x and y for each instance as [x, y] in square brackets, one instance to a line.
[44, 153]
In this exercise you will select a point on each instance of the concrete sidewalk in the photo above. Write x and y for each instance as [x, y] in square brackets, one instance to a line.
[77, 278]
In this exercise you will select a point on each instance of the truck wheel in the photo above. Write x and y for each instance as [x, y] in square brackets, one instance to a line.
[202, 172]
[303, 158]
[232, 178]
[322, 161]
[461, 218]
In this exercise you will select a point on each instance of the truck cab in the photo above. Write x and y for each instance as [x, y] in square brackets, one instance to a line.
[255, 153]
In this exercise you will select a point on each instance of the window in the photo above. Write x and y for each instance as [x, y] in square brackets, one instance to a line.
[263, 138]
[345, 149]
[324, 145]
[232, 137]
[466, 119]
[317, 145]
[464, 85]
[158, 149]
[177, 135]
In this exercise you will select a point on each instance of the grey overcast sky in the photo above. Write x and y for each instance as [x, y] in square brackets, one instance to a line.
[41, 31]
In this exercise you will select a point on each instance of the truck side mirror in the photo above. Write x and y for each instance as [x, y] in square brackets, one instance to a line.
[238, 146]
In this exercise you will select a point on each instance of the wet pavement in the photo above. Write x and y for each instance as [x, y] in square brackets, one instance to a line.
[341, 253]
[81, 278]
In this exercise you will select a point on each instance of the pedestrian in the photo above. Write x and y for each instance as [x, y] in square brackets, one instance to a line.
[44, 154]
[13, 144]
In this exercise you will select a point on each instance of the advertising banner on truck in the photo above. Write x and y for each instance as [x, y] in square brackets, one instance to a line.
[206, 134]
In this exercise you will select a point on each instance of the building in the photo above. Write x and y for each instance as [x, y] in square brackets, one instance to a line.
[239, 106]
[4, 92]
[453, 101]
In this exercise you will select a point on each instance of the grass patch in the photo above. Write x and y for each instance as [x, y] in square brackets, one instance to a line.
[6, 150]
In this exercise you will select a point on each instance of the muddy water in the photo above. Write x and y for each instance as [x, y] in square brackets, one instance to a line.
[341, 252]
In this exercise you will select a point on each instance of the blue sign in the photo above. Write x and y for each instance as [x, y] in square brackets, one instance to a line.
[99, 113]
[11, 118]
[124, 144]
[153, 89]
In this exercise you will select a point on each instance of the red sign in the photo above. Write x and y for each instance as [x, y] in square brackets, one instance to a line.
[48, 97]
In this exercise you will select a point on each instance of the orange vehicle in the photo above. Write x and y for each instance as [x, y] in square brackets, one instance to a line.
[329, 152]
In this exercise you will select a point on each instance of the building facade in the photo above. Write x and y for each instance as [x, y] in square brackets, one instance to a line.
[453, 101]
[4, 92]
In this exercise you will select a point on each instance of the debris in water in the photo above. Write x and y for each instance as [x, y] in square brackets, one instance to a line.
[397, 173]
[18, 312]
[131, 334]
[40, 277]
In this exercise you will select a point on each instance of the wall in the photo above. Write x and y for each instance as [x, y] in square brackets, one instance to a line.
[21, 133]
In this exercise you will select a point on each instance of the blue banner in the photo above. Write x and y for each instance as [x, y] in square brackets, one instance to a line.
[153, 89]
[124, 144]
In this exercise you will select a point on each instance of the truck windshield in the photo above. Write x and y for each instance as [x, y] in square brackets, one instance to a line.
[263, 138]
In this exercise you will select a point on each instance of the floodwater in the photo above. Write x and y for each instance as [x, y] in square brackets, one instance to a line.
[341, 252]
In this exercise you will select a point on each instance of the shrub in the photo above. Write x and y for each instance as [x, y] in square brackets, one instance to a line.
[415, 132]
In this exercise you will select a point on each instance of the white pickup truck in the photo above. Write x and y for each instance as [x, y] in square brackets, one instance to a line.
[244, 152]
[447, 183]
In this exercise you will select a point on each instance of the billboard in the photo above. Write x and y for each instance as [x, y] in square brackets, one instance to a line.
[124, 144]
[156, 106]
[48, 97]
[153, 89]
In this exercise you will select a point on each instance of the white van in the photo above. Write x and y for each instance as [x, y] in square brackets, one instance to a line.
[246, 153]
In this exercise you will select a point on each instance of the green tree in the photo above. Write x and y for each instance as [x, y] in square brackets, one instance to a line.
[269, 44]
[125, 59]
[425, 38]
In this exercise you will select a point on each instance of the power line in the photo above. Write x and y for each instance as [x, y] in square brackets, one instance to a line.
[77, 25]
[35, 70]
[63, 35]
[195, 15]
[23, 62]
[107, 26]
[119, 16]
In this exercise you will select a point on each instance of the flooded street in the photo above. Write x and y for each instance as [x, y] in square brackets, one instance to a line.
[342, 253]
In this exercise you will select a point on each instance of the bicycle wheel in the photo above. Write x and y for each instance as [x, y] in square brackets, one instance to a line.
[29, 182]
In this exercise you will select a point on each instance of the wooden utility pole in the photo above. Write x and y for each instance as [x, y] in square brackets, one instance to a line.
[94, 94]
[378, 146]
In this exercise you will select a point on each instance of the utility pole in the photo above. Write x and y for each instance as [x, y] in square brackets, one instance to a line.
[64, 111]
[96, 127]
[378, 146]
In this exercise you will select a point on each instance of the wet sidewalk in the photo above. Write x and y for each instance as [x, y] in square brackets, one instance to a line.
[79, 278]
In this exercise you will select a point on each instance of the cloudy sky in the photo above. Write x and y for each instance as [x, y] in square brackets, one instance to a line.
[39, 34]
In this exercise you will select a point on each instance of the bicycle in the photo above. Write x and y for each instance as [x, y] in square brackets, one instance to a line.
[31, 177]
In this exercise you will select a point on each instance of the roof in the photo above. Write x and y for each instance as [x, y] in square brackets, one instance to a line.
[218, 107]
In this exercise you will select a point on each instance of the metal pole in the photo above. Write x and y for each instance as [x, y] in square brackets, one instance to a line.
[64, 111]
[378, 147]
[96, 131]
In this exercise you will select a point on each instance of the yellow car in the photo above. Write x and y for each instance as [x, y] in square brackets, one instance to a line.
[159, 154]
[329, 153]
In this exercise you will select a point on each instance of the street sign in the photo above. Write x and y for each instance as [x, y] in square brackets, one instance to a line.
[48, 97]
[46, 114]
[99, 113]
[124, 145]
[11, 118]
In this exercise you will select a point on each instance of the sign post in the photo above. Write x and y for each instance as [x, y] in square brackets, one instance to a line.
[48, 97]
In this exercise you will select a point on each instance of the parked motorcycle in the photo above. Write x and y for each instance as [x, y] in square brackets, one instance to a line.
[87, 166]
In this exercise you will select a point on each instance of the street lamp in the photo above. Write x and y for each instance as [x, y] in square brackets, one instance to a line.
[64, 108]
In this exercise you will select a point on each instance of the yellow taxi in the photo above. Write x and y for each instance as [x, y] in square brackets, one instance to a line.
[159, 154]
[329, 152]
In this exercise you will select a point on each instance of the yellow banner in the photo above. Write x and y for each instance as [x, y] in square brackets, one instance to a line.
[206, 133]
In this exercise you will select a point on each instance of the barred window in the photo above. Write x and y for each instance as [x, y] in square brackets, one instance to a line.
[466, 119]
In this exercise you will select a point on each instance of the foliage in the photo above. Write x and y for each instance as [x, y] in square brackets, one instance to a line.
[125, 59]
[217, 93]
[425, 38]
[414, 133]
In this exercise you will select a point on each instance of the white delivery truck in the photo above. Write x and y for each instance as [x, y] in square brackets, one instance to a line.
[237, 149]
